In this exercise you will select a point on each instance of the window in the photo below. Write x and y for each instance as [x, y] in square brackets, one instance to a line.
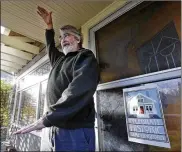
[140, 100]
[35, 76]
[135, 108]
[171, 109]
[150, 108]
[30, 99]
[147, 108]
[29, 105]
[16, 107]
[133, 44]
[42, 98]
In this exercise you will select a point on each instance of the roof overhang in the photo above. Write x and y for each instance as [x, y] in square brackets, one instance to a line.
[24, 33]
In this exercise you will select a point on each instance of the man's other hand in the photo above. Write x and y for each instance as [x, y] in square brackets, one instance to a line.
[35, 126]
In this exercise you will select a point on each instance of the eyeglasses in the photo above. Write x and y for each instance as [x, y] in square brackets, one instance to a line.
[64, 36]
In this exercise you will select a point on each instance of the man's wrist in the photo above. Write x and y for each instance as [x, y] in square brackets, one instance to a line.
[49, 26]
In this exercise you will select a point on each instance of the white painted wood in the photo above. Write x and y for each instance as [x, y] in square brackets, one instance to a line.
[6, 31]
[142, 79]
[13, 59]
[11, 64]
[21, 16]
[23, 39]
[8, 69]
[16, 52]
[13, 42]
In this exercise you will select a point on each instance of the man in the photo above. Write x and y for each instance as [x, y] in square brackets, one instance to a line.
[72, 82]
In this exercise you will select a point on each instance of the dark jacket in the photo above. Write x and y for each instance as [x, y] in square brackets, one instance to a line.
[71, 85]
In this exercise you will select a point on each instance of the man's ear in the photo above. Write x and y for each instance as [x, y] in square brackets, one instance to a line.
[78, 39]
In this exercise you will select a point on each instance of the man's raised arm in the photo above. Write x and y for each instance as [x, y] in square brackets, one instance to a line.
[53, 52]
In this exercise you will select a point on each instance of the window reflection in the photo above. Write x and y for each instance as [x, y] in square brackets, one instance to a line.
[127, 48]
[36, 76]
[42, 98]
[28, 106]
[16, 107]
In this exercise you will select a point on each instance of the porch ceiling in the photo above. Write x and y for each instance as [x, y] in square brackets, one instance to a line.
[29, 30]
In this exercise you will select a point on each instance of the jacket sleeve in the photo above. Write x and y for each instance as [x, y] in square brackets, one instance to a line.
[79, 91]
[52, 51]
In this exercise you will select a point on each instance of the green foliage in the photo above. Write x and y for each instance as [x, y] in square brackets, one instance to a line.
[5, 91]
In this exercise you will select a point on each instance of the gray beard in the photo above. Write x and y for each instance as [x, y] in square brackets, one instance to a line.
[70, 48]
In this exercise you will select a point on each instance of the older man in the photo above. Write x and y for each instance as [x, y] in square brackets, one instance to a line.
[72, 82]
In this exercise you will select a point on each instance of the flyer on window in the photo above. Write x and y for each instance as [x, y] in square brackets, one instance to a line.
[144, 116]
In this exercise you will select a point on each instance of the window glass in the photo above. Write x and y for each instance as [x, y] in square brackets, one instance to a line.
[16, 106]
[35, 76]
[29, 105]
[144, 40]
[42, 98]
[146, 107]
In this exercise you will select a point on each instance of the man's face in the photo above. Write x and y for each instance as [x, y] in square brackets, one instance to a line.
[68, 42]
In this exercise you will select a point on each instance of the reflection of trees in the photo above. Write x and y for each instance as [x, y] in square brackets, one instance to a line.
[28, 113]
[42, 104]
[4, 108]
[28, 108]
[43, 98]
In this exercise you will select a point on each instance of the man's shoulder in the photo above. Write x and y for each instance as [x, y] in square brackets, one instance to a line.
[86, 52]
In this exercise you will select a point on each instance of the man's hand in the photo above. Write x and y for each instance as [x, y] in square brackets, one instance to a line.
[46, 16]
[35, 126]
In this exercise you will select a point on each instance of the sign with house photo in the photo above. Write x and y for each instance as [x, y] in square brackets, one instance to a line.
[144, 116]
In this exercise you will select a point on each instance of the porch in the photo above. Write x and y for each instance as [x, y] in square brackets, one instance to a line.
[135, 42]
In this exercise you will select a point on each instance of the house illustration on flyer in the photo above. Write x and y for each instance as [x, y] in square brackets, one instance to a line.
[144, 116]
[141, 106]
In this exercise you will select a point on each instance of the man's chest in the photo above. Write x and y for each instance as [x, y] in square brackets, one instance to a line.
[62, 73]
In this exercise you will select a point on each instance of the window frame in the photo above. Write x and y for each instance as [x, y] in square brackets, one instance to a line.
[15, 121]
